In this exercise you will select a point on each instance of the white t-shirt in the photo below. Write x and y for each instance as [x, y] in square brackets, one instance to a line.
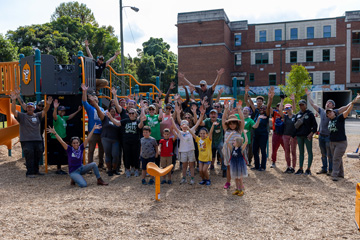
[186, 141]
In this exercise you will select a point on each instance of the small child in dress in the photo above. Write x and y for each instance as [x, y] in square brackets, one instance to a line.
[148, 153]
[204, 143]
[238, 164]
[166, 146]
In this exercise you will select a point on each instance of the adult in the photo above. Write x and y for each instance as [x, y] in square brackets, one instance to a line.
[250, 103]
[100, 65]
[338, 141]
[261, 133]
[324, 136]
[306, 126]
[277, 136]
[93, 118]
[205, 92]
[30, 137]
[289, 139]
[217, 137]
[75, 159]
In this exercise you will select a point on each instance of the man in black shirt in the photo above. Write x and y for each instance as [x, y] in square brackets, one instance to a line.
[100, 66]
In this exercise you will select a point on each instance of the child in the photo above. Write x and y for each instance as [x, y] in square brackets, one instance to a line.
[148, 153]
[205, 152]
[75, 159]
[166, 146]
[238, 163]
[60, 124]
[187, 148]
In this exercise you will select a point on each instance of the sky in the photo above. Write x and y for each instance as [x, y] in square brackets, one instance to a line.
[157, 18]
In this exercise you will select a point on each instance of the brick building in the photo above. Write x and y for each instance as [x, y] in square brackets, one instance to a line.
[261, 55]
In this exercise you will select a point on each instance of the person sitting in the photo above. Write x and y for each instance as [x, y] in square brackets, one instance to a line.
[75, 159]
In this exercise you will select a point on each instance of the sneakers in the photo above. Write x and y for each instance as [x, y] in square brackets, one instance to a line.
[288, 170]
[30, 176]
[299, 172]
[322, 171]
[151, 182]
[110, 173]
[335, 179]
[254, 168]
[183, 180]
[307, 172]
[61, 172]
[273, 165]
[240, 193]
[292, 170]
[143, 181]
[202, 182]
[218, 163]
[261, 169]
[169, 182]
[132, 171]
[163, 181]
[208, 183]
[227, 185]
[127, 173]
[136, 174]
[236, 192]
[329, 173]
[192, 182]
[116, 172]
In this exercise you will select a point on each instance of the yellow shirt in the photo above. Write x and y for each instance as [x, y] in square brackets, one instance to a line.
[204, 146]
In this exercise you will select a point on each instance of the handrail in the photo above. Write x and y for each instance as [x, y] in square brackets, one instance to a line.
[9, 77]
[83, 110]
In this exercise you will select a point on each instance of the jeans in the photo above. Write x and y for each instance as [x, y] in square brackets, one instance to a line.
[324, 144]
[218, 148]
[303, 140]
[33, 151]
[95, 139]
[277, 140]
[260, 141]
[290, 148]
[76, 175]
[111, 148]
[337, 150]
[131, 154]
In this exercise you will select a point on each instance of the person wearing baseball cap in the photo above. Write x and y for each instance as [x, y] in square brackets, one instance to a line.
[59, 123]
[30, 137]
[306, 126]
[324, 133]
[204, 91]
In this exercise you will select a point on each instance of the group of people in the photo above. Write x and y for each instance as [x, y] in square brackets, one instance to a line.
[134, 131]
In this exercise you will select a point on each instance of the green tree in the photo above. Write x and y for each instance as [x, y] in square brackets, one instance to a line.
[296, 83]
[8, 52]
[75, 10]
[27, 51]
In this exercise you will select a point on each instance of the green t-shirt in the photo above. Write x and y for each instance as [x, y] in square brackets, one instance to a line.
[60, 126]
[217, 137]
[154, 123]
[249, 123]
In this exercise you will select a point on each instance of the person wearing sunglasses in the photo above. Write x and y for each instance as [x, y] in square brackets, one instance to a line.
[204, 91]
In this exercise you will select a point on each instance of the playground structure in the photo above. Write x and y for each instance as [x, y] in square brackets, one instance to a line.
[40, 76]
[157, 172]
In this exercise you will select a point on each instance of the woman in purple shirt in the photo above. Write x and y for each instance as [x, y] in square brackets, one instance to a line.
[75, 159]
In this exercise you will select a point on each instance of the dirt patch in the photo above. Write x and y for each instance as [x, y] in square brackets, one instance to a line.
[275, 205]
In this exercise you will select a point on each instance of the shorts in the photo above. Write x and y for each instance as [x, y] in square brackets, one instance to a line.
[165, 161]
[145, 161]
[187, 156]
[207, 163]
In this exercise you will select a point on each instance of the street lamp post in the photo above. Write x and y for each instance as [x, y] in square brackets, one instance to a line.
[122, 44]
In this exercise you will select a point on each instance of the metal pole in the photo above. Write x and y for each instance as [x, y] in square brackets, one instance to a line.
[122, 48]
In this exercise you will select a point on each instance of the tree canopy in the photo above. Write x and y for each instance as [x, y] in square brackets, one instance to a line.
[8, 52]
[75, 10]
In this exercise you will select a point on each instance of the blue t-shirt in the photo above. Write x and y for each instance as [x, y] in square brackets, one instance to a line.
[93, 117]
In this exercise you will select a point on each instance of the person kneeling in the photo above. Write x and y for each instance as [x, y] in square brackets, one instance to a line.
[75, 159]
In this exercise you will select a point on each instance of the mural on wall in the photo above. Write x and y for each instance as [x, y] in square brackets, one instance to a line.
[263, 90]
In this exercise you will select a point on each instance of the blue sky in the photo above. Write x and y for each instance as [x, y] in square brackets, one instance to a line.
[157, 18]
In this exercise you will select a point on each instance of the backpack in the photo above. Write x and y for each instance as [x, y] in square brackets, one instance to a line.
[279, 126]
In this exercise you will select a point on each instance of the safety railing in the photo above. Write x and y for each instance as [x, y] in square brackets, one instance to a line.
[9, 77]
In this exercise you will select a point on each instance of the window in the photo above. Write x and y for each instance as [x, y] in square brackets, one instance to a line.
[356, 37]
[238, 59]
[262, 36]
[278, 35]
[237, 40]
[326, 78]
[309, 56]
[311, 76]
[240, 82]
[356, 65]
[293, 34]
[293, 56]
[261, 58]
[272, 79]
[326, 55]
[251, 77]
[327, 31]
[310, 32]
